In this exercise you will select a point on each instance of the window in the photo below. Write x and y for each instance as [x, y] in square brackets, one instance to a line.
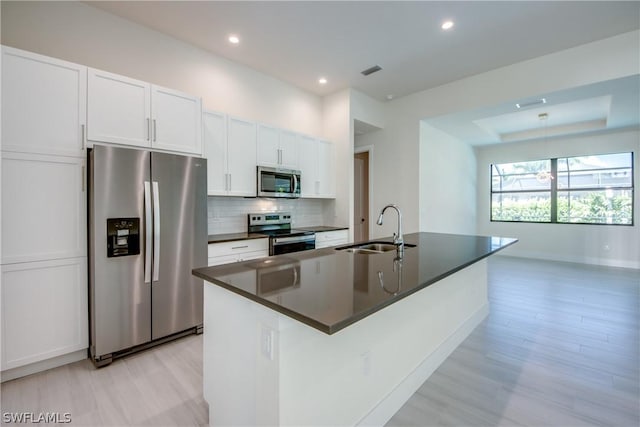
[578, 190]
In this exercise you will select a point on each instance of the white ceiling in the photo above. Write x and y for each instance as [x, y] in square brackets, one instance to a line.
[607, 105]
[300, 41]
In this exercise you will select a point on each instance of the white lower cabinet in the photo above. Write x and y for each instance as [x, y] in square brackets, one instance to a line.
[325, 239]
[44, 310]
[236, 251]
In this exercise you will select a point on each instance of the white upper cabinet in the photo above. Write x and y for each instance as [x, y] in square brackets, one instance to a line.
[277, 148]
[214, 127]
[316, 164]
[176, 122]
[230, 149]
[43, 104]
[241, 157]
[326, 170]
[126, 111]
[289, 150]
[119, 109]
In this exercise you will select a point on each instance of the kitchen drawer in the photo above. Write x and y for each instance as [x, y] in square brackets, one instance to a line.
[228, 259]
[238, 247]
[331, 238]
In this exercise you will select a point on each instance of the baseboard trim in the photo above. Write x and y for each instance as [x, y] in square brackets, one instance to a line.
[392, 403]
[33, 368]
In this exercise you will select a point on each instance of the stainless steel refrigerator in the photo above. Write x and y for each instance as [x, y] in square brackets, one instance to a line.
[147, 231]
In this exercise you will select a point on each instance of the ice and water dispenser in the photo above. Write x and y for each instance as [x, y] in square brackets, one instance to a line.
[123, 237]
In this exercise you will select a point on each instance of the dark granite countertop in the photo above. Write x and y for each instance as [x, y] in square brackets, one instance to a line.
[231, 237]
[330, 289]
[320, 228]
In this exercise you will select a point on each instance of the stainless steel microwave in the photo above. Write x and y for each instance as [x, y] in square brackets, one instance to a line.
[276, 182]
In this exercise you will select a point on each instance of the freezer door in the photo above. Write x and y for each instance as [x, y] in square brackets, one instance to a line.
[120, 300]
[180, 191]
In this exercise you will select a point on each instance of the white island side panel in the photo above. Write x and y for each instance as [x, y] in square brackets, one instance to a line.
[264, 368]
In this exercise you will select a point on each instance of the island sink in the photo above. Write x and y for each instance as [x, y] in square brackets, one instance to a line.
[372, 247]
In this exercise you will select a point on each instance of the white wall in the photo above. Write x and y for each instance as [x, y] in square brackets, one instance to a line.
[80, 33]
[448, 171]
[398, 147]
[593, 244]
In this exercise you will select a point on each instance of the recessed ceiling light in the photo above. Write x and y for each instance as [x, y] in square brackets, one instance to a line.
[389, 97]
[322, 81]
[234, 39]
[447, 25]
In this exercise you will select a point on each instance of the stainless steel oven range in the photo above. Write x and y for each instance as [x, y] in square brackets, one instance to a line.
[282, 238]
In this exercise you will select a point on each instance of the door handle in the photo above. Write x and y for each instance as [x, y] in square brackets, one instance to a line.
[148, 224]
[156, 231]
[148, 130]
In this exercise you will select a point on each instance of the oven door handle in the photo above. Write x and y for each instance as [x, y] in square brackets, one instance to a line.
[294, 239]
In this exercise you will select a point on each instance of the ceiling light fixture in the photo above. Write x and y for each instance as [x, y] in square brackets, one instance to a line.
[447, 25]
[322, 81]
[531, 103]
[234, 39]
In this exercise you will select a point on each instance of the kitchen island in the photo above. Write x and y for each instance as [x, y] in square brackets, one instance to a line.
[331, 337]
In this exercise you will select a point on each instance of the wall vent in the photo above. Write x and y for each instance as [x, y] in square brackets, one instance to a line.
[371, 70]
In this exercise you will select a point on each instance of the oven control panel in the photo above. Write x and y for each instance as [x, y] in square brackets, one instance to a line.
[269, 218]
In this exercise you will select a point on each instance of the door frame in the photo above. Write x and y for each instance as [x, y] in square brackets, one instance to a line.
[357, 150]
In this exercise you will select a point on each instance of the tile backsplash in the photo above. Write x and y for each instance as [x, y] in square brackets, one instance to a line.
[229, 214]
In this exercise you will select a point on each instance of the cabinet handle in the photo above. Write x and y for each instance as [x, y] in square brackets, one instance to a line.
[82, 179]
[148, 131]
[83, 135]
[240, 247]
[229, 182]
[155, 132]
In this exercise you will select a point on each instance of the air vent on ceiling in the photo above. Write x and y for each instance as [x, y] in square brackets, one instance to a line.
[371, 70]
[528, 104]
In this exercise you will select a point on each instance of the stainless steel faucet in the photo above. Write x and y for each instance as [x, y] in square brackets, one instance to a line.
[398, 240]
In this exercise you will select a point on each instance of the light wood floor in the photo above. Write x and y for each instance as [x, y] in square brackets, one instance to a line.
[560, 348]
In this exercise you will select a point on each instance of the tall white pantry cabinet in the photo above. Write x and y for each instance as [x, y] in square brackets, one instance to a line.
[44, 249]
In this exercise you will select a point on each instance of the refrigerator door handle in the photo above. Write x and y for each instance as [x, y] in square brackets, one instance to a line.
[148, 233]
[156, 231]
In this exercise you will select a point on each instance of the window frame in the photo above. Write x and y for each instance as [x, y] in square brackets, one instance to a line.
[554, 191]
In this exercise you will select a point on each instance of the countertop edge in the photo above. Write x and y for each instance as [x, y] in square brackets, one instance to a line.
[331, 329]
